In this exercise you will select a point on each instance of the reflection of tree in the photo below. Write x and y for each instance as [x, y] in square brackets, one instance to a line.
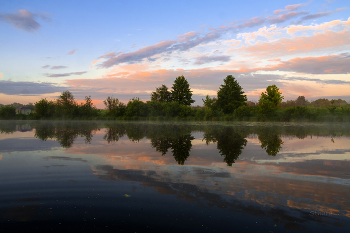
[270, 141]
[181, 147]
[7, 127]
[65, 133]
[230, 141]
[177, 138]
[113, 133]
[136, 132]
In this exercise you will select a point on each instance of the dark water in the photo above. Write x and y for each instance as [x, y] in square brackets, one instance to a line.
[174, 177]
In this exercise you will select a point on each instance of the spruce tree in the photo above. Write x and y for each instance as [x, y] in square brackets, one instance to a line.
[230, 95]
[181, 92]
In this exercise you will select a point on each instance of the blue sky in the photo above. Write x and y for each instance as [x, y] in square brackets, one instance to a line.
[126, 49]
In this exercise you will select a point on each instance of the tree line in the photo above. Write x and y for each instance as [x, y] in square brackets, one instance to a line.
[171, 104]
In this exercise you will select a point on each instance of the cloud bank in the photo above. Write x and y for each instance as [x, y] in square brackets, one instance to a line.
[28, 88]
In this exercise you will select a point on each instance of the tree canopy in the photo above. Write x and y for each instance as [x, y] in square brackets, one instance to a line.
[230, 95]
[271, 95]
[181, 92]
[161, 94]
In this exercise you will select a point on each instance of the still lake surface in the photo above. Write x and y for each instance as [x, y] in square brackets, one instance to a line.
[174, 177]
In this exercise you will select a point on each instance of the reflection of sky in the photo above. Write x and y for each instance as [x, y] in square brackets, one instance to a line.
[307, 174]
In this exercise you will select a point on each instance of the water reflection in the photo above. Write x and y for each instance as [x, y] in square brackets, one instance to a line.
[270, 140]
[258, 176]
[230, 141]
[65, 132]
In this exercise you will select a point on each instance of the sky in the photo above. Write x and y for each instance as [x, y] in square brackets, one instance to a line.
[127, 49]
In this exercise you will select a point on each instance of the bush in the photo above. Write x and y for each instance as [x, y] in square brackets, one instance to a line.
[7, 112]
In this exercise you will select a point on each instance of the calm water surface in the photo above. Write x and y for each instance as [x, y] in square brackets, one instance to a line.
[174, 177]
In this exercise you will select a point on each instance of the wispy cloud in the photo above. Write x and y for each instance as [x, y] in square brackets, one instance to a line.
[65, 74]
[184, 43]
[58, 67]
[28, 88]
[290, 8]
[209, 59]
[334, 64]
[0, 75]
[72, 52]
[192, 39]
[287, 16]
[318, 15]
[25, 20]
[93, 63]
[45, 67]
[321, 41]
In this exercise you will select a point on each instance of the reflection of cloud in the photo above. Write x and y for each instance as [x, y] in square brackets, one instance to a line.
[0, 157]
[15, 144]
[66, 158]
[24, 20]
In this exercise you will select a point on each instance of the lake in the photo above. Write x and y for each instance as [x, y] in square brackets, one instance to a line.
[174, 176]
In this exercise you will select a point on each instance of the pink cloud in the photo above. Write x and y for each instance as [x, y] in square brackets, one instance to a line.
[0, 75]
[222, 27]
[187, 36]
[93, 63]
[319, 27]
[289, 8]
[108, 55]
[72, 52]
[284, 17]
[301, 44]
[138, 55]
[333, 64]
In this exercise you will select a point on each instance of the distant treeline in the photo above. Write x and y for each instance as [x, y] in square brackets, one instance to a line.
[230, 104]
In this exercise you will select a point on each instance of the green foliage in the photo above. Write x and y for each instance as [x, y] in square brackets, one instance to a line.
[230, 95]
[210, 102]
[137, 108]
[272, 95]
[243, 111]
[161, 94]
[44, 108]
[114, 107]
[269, 100]
[270, 141]
[88, 109]
[66, 105]
[7, 112]
[181, 92]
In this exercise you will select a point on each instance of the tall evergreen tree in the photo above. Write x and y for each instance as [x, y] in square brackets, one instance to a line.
[181, 92]
[230, 95]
